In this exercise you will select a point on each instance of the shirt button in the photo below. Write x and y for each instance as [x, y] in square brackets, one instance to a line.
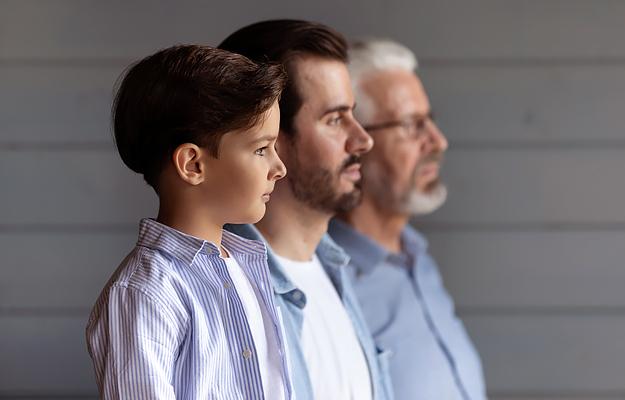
[227, 285]
[247, 353]
[297, 295]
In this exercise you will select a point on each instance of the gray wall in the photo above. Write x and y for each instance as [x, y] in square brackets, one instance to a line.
[531, 95]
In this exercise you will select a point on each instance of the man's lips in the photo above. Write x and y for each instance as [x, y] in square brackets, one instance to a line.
[352, 172]
[429, 170]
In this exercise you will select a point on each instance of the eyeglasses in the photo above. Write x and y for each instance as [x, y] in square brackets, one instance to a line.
[413, 126]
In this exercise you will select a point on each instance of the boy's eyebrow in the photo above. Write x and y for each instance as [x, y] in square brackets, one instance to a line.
[266, 138]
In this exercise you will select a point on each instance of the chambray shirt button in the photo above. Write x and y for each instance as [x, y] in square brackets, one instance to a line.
[297, 295]
[227, 285]
[247, 353]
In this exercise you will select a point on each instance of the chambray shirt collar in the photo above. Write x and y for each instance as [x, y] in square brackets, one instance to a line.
[154, 235]
[332, 257]
[365, 252]
[279, 279]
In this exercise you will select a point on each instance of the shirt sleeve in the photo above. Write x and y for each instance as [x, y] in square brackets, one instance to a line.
[138, 349]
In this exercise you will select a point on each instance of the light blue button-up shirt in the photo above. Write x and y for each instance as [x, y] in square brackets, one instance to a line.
[411, 315]
[170, 323]
[292, 301]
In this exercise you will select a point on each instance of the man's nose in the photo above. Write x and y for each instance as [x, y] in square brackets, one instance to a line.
[435, 141]
[358, 140]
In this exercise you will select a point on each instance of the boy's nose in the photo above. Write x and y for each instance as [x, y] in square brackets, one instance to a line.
[279, 169]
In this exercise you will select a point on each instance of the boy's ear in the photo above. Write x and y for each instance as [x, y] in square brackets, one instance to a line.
[187, 161]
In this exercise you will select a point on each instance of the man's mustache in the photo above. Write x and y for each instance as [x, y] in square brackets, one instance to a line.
[431, 158]
[349, 161]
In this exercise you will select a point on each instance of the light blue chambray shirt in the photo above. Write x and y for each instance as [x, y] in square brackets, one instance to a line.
[292, 301]
[170, 324]
[412, 316]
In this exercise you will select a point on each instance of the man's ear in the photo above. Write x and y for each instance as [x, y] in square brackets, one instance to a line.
[187, 159]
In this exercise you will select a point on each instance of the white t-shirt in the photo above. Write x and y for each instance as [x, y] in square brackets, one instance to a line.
[336, 363]
[263, 331]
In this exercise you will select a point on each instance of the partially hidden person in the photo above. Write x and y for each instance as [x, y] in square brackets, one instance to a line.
[333, 356]
[396, 280]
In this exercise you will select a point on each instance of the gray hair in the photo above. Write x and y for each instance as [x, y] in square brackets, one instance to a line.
[375, 55]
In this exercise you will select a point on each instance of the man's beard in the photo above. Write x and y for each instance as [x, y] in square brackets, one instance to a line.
[317, 187]
[411, 200]
[416, 202]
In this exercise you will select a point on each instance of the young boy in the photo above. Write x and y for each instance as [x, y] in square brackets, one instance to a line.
[189, 314]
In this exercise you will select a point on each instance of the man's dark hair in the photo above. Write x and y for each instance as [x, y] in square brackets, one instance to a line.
[188, 94]
[282, 41]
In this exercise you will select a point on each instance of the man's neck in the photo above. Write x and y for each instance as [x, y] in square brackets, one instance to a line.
[292, 229]
[380, 224]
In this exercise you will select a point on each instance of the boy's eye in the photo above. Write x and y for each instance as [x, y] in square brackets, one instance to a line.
[261, 151]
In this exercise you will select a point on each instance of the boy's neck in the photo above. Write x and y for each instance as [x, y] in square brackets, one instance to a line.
[191, 223]
[291, 228]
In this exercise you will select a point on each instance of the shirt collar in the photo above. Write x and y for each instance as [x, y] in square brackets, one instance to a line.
[279, 279]
[157, 236]
[331, 256]
[367, 253]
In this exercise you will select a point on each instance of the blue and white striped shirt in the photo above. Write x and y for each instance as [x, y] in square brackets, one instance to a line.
[170, 324]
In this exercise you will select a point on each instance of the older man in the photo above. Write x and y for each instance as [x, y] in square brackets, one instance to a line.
[396, 281]
[333, 355]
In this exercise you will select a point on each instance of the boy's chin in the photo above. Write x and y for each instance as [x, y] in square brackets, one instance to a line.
[252, 217]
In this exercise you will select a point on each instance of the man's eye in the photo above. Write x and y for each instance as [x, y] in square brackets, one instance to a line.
[335, 121]
[261, 151]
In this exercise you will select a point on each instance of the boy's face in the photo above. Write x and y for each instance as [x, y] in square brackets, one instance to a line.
[324, 157]
[240, 180]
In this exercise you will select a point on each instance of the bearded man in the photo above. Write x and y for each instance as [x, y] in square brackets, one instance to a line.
[397, 283]
[332, 353]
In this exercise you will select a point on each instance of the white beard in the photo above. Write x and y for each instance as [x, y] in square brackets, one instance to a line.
[418, 203]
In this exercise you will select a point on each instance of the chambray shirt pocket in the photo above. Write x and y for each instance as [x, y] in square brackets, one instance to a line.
[383, 359]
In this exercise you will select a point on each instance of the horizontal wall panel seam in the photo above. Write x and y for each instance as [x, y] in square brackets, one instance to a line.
[446, 62]
[42, 312]
[538, 311]
[59, 146]
[425, 227]
[429, 62]
[66, 62]
[68, 228]
[585, 395]
[455, 145]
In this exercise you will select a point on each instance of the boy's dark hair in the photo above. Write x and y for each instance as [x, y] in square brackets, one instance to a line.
[282, 41]
[188, 94]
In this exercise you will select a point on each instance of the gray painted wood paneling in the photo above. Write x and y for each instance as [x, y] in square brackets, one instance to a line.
[551, 353]
[57, 104]
[562, 105]
[542, 186]
[533, 270]
[45, 356]
[71, 187]
[58, 272]
[436, 29]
